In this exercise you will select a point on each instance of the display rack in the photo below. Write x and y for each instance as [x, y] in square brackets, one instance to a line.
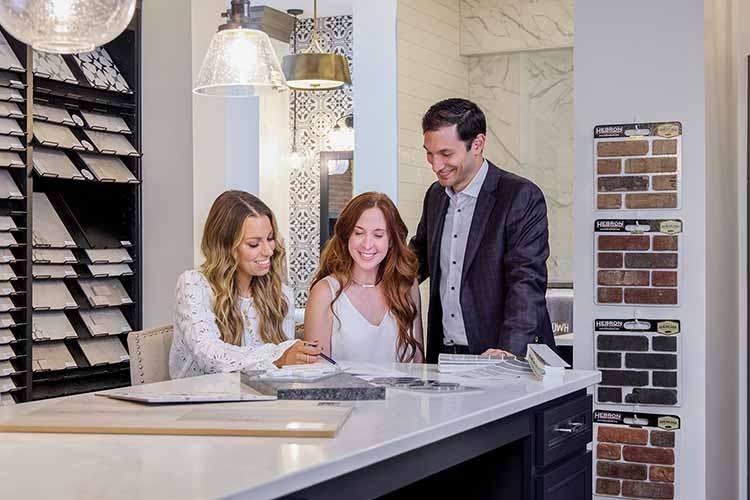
[70, 272]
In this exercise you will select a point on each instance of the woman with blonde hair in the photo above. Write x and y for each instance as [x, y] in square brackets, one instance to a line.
[364, 302]
[234, 313]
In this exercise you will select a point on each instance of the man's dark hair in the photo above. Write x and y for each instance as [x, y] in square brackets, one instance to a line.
[466, 115]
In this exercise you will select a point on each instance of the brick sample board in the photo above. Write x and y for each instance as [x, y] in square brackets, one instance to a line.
[637, 166]
[639, 361]
[637, 262]
[636, 455]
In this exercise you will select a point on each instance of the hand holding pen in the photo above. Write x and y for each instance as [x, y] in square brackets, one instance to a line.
[321, 353]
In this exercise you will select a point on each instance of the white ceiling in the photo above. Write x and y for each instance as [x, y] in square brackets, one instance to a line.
[326, 8]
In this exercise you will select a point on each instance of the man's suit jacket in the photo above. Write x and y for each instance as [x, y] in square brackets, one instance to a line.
[505, 266]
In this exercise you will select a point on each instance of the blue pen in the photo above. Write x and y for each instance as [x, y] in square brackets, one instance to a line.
[324, 356]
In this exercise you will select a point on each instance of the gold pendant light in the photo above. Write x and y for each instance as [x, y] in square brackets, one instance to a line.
[315, 70]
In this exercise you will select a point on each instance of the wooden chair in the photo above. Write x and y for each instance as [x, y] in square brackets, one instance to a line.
[149, 354]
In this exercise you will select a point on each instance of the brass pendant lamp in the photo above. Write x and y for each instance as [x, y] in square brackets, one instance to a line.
[312, 70]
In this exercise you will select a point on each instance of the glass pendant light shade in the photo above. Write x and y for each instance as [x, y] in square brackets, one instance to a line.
[239, 60]
[66, 26]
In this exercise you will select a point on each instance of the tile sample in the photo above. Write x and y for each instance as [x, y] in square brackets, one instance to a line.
[6, 320]
[105, 123]
[9, 126]
[10, 110]
[6, 336]
[50, 134]
[53, 256]
[7, 273]
[7, 223]
[638, 165]
[8, 187]
[10, 95]
[49, 230]
[6, 304]
[107, 256]
[6, 399]
[51, 325]
[109, 270]
[52, 356]
[104, 292]
[107, 168]
[55, 163]
[58, 271]
[6, 369]
[9, 159]
[7, 384]
[6, 352]
[103, 350]
[6, 288]
[108, 321]
[52, 295]
[101, 71]
[637, 261]
[52, 114]
[11, 143]
[52, 66]
[8, 59]
[7, 256]
[7, 240]
[636, 455]
[109, 143]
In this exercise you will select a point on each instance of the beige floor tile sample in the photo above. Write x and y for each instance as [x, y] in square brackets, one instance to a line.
[55, 163]
[6, 384]
[6, 368]
[7, 223]
[6, 320]
[10, 110]
[105, 292]
[55, 271]
[52, 294]
[107, 168]
[109, 270]
[6, 352]
[10, 159]
[53, 115]
[8, 187]
[53, 325]
[103, 350]
[105, 123]
[6, 336]
[52, 356]
[9, 126]
[102, 322]
[49, 230]
[53, 256]
[6, 272]
[109, 143]
[7, 240]
[107, 256]
[56, 135]
[6, 304]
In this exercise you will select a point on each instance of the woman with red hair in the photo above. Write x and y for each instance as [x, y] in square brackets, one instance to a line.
[364, 302]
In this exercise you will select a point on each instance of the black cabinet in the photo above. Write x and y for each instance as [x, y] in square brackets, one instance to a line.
[571, 480]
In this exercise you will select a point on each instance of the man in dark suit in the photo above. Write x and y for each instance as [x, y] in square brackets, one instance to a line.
[483, 241]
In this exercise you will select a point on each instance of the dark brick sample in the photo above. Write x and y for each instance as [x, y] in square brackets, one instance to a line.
[665, 242]
[662, 439]
[609, 260]
[651, 296]
[664, 278]
[652, 397]
[642, 454]
[628, 183]
[661, 473]
[609, 395]
[609, 360]
[651, 361]
[651, 260]
[607, 487]
[608, 167]
[617, 242]
[664, 379]
[622, 343]
[653, 491]
[609, 295]
[624, 378]
[620, 470]
[664, 344]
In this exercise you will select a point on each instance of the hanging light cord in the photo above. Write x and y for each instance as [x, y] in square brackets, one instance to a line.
[294, 93]
[315, 41]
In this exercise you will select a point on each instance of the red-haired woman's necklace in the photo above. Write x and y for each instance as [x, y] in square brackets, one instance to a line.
[364, 285]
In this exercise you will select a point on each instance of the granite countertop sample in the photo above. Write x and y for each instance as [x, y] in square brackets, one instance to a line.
[338, 387]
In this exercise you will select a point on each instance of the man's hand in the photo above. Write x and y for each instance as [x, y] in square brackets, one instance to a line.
[497, 353]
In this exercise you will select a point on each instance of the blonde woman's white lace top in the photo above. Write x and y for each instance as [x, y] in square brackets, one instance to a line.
[197, 348]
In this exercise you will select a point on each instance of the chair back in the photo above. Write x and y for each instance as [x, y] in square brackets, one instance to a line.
[149, 354]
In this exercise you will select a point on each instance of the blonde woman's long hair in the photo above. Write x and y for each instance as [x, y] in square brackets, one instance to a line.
[222, 237]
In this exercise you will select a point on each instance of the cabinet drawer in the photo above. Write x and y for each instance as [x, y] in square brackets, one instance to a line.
[570, 480]
[563, 430]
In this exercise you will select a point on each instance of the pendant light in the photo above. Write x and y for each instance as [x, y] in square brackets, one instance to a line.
[66, 26]
[240, 59]
[341, 135]
[315, 70]
[297, 159]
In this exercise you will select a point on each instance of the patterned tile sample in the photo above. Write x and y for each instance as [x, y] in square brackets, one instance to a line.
[52, 295]
[636, 455]
[105, 292]
[108, 321]
[52, 356]
[10, 95]
[54, 163]
[49, 134]
[109, 256]
[107, 168]
[639, 361]
[53, 66]
[317, 112]
[53, 256]
[57, 271]
[106, 123]
[8, 187]
[51, 325]
[104, 350]
[637, 261]
[101, 71]
[638, 165]
[8, 59]
[10, 110]
[53, 115]
[109, 270]
[11, 143]
[108, 143]
[49, 230]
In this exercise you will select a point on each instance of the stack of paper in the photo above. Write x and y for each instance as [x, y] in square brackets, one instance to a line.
[544, 362]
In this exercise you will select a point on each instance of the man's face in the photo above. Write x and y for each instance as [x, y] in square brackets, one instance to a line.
[453, 165]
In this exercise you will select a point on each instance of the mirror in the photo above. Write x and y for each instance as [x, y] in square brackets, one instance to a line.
[336, 189]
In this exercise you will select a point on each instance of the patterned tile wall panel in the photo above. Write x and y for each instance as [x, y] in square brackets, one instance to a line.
[317, 112]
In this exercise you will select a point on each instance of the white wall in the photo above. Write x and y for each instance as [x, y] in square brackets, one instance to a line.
[375, 100]
[430, 69]
[167, 155]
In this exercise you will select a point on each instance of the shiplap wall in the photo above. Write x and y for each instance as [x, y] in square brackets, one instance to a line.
[429, 69]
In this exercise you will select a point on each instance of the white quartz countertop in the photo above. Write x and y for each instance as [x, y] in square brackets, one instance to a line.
[179, 467]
